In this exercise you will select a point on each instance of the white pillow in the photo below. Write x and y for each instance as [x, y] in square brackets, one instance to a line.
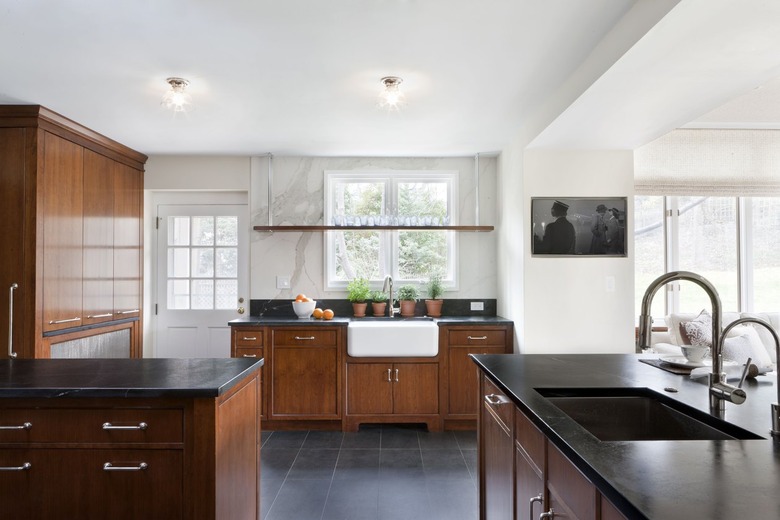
[699, 330]
[673, 324]
[739, 348]
[766, 337]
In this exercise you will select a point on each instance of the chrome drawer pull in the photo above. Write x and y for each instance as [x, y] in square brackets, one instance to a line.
[396, 375]
[25, 426]
[11, 353]
[69, 320]
[110, 467]
[109, 426]
[131, 311]
[245, 338]
[307, 338]
[93, 316]
[250, 355]
[481, 338]
[388, 376]
[23, 467]
[496, 400]
[538, 498]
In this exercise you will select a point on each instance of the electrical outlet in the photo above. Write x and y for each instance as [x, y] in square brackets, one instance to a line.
[477, 306]
[282, 282]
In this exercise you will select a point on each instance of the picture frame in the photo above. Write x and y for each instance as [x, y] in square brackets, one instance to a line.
[579, 226]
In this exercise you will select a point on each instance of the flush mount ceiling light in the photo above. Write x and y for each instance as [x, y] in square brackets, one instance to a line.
[391, 98]
[177, 98]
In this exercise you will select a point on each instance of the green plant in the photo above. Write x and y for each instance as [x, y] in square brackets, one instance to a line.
[358, 290]
[379, 296]
[435, 287]
[408, 292]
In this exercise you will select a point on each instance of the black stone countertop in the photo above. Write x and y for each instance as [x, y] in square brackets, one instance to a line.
[185, 378]
[344, 321]
[665, 480]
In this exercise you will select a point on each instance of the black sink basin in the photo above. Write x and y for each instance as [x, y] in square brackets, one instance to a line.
[639, 414]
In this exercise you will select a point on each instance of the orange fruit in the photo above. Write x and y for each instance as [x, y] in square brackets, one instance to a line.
[306, 299]
[327, 314]
[317, 314]
[300, 298]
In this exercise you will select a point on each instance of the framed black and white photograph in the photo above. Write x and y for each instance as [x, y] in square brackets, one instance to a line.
[583, 226]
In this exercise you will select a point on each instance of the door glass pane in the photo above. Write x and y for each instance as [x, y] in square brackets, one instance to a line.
[202, 294]
[421, 253]
[202, 231]
[708, 246]
[178, 294]
[649, 250]
[202, 262]
[227, 262]
[179, 231]
[766, 253]
[227, 231]
[227, 294]
[178, 262]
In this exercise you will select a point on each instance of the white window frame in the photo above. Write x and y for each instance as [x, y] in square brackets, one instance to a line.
[391, 180]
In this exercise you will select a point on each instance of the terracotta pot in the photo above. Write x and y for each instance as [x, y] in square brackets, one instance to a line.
[407, 308]
[379, 308]
[359, 309]
[433, 307]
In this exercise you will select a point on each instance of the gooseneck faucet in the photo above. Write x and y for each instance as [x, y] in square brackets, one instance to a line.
[387, 287]
[720, 390]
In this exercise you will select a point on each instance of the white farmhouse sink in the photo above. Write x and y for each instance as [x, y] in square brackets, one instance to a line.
[389, 338]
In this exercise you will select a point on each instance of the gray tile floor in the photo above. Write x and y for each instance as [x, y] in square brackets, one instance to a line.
[378, 473]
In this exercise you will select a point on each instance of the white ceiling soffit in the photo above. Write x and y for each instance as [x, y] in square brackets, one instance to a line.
[701, 55]
[298, 77]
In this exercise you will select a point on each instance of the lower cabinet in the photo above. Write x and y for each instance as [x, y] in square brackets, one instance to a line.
[496, 439]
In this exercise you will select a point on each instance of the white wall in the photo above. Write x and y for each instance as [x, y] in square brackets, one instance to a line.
[567, 305]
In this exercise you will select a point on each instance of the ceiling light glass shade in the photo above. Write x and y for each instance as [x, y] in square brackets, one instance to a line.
[391, 98]
[177, 98]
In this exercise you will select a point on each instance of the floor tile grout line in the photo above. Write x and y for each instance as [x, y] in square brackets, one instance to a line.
[284, 480]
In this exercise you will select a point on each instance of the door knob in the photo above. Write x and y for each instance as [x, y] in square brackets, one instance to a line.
[241, 310]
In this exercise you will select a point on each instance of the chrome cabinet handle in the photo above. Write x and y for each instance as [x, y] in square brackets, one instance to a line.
[23, 467]
[110, 467]
[388, 376]
[109, 426]
[11, 353]
[548, 514]
[69, 320]
[396, 375]
[250, 355]
[306, 338]
[131, 311]
[25, 426]
[496, 400]
[92, 316]
[253, 338]
[482, 338]
[538, 498]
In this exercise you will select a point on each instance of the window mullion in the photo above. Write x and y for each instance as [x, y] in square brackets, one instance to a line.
[745, 253]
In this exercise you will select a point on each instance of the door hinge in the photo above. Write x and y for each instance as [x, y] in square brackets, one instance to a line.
[157, 223]
[155, 309]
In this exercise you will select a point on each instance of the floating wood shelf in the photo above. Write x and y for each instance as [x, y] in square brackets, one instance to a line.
[373, 228]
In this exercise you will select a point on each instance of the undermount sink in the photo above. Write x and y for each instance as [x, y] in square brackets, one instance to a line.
[639, 414]
[393, 337]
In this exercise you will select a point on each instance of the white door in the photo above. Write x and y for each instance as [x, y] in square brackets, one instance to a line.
[202, 278]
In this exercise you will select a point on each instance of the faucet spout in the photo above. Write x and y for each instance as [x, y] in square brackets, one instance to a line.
[387, 287]
[720, 390]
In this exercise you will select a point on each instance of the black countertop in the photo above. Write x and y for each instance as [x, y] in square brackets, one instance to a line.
[662, 480]
[185, 378]
[344, 321]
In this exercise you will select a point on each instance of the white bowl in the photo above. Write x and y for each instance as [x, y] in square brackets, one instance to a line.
[304, 309]
[694, 354]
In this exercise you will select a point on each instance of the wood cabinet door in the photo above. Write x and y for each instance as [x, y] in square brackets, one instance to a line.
[369, 388]
[415, 388]
[61, 185]
[463, 380]
[128, 221]
[528, 485]
[98, 258]
[496, 444]
[304, 382]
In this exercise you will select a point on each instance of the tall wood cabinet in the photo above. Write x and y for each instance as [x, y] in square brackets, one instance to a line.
[71, 215]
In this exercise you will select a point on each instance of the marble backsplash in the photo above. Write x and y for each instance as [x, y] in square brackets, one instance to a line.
[282, 308]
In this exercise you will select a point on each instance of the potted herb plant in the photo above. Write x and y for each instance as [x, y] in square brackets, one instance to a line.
[358, 292]
[435, 291]
[379, 302]
[408, 295]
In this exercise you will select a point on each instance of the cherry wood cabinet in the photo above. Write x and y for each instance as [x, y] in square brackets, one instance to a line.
[460, 387]
[69, 200]
[530, 461]
[496, 439]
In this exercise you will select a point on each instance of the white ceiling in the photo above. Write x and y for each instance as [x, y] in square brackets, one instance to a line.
[301, 77]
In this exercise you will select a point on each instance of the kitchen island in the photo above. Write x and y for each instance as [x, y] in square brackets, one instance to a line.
[657, 479]
[130, 438]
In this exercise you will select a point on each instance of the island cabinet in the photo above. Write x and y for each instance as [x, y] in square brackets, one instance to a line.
[71, 205]
[460, 387]
[523, 475]
[248, 342]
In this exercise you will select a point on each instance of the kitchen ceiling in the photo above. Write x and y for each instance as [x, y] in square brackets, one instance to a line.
[301, 77]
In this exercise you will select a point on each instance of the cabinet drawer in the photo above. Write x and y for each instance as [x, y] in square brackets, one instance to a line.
[478, 337]
[249, 352]
[305, 337]
[83, 425]
[499, 403]
[530, 439]
[249, 337]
